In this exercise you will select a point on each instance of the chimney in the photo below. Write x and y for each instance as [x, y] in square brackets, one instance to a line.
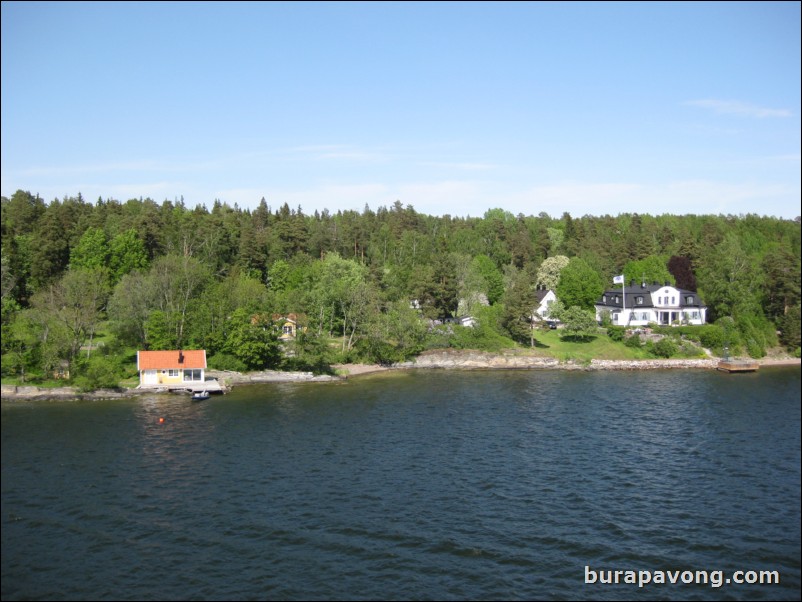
[180, 357]
[643, 284]
[632, 283]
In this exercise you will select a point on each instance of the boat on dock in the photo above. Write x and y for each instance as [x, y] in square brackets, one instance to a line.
[200, 395]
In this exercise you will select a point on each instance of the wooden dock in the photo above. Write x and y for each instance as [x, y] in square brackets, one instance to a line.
[731, 365]
[211, 386]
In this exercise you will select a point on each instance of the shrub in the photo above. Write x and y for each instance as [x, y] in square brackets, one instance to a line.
[225, 361]
[616, 333]
[97, 372]
[633, 341]
[712, 337]
[665, 347]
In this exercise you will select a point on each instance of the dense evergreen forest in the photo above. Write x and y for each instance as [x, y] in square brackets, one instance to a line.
[84, 284]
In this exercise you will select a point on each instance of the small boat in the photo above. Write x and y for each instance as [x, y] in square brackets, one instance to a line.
[200, 395]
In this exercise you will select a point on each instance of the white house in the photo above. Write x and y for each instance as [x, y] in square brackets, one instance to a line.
[643, 304]
[545, 298]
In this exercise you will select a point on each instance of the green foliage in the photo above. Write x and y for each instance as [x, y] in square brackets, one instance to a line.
[790, 329]
[578, 324]
[650, 269]
[757, 333]
[311, 353]
[491, 281]
[126, 253]
[99, 371]
[179, 275]
[226, 361]
[159, 335]
[665, 347]
[633, 341]
[579, 285]
[484, 335]
[92, 251]
[519, 307]
[616, 333]
[711, 336]
[254, 343]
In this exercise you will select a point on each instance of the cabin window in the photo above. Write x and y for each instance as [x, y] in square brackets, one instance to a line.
[193, 375]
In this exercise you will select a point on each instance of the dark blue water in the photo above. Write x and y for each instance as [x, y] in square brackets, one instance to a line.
[414, 485]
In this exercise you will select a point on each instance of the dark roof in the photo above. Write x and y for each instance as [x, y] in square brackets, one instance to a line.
[541, 293]
[633, 291]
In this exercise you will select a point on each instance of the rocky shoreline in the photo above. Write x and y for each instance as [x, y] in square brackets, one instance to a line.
[447, 359]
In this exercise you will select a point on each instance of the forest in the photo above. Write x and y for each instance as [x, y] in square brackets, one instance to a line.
[85, 284]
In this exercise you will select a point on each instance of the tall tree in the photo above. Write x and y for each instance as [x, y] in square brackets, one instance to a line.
[579, 285]
[681, 269]
[548, 274]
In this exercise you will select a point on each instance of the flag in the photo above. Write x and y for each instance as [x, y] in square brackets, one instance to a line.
[618, 279]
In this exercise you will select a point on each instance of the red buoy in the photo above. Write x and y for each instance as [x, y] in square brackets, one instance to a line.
[161, 420]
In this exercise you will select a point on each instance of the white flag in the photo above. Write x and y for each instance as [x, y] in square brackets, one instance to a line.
[618, 279]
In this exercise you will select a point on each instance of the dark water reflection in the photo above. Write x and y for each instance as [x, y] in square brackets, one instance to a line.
[414, 485]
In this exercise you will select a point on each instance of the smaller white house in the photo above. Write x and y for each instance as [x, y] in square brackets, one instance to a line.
[644, 304]
[545, 299]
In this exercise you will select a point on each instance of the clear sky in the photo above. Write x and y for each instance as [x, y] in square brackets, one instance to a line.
[453, 108]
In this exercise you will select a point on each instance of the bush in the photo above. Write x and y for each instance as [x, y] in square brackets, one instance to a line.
[97, 372]
[616, 333]
[665, 347]
[633, 341]
[712, 337]
[225, 361]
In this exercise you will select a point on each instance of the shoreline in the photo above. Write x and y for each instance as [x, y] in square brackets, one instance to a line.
[442, 360]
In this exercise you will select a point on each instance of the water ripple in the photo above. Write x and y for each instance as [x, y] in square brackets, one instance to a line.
[418, 485]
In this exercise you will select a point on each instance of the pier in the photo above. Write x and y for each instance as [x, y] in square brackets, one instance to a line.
[732, 365]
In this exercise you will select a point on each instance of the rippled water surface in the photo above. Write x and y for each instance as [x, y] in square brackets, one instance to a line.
[413, 485]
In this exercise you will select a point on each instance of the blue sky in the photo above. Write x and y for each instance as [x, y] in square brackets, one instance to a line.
[453, 108]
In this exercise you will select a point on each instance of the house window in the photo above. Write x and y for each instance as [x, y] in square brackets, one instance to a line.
[172, 373]
[659, 300]
[287, 329]
[604, 298]
[190, 375]
[616, 298]
[689, 300]
[639, 300]
[672, 300]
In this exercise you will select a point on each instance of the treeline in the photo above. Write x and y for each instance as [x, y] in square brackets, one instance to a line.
[166, 275]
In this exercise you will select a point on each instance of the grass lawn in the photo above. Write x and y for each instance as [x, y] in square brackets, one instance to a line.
[549, 344]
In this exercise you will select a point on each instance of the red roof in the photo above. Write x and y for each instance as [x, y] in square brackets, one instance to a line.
[171, 360]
